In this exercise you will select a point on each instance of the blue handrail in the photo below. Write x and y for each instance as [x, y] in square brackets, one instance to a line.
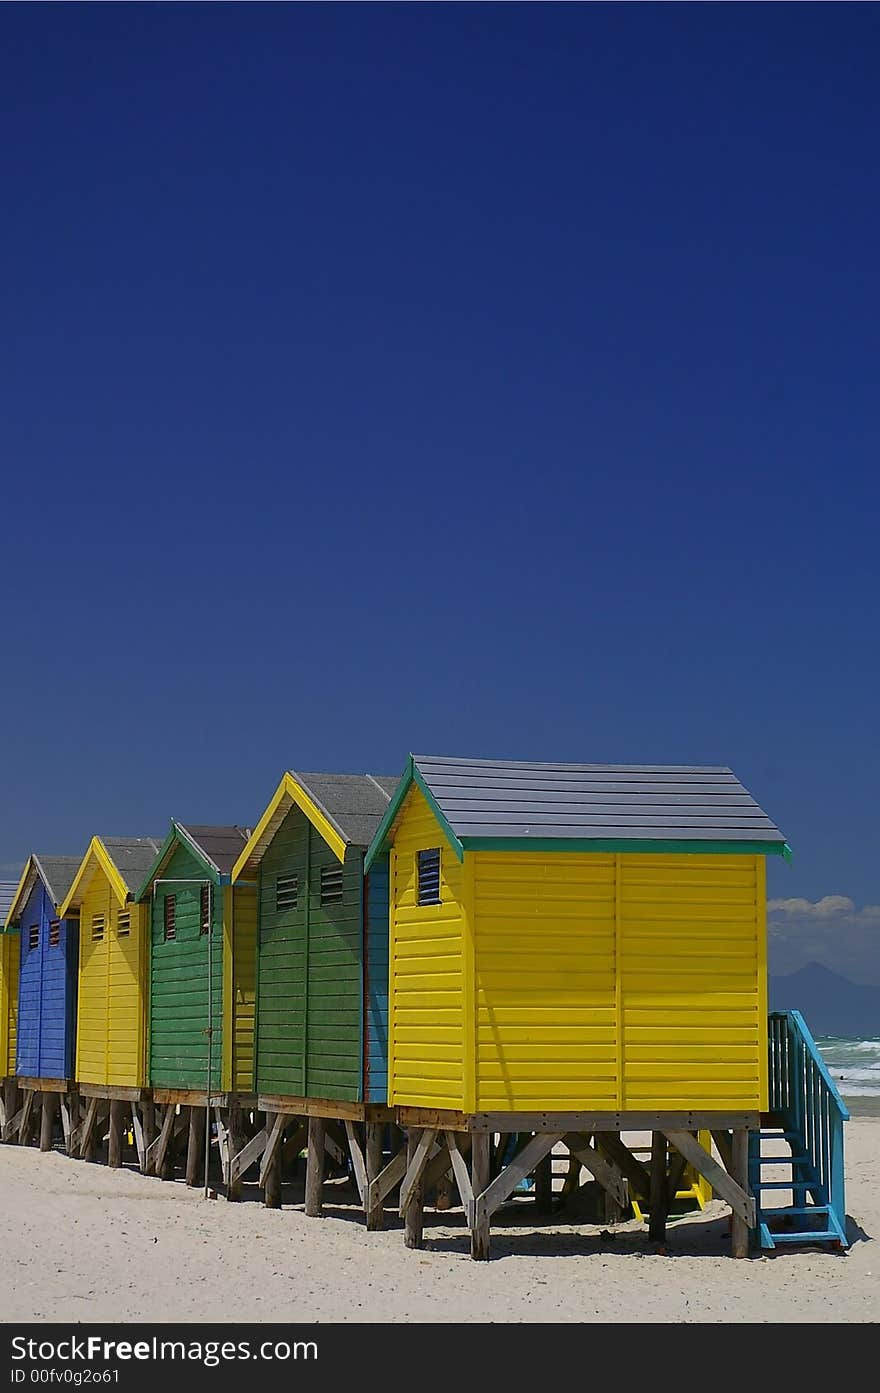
[804, 1095]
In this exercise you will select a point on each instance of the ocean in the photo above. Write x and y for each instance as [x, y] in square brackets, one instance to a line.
[855, 1067]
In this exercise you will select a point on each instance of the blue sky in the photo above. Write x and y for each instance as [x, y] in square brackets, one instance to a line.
[484, 380]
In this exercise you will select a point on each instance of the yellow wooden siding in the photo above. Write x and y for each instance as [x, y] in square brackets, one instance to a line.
[10, 944]
[693, 982]
[427, 1038]
[111, 1010]
[244, 985]
[545, 981]
[599, 982]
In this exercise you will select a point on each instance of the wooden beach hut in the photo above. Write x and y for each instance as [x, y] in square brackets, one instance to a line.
[9, 955]
[578, 951]
[202, 989]
[48, 945]
[321, 1040]
[111, 992]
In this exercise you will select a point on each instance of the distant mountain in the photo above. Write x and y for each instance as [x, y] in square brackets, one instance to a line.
[829, 1004]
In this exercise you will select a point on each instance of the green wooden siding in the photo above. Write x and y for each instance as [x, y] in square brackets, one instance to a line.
[179, 983]
[309, 1018]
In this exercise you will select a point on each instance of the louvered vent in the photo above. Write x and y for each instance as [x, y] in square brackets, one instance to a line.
[331, 884]
[205, 909]
[428, 866]
[33, 937]
[286, 892]
[97, 928]
[170, 916]
[54, 933]
[123, 924]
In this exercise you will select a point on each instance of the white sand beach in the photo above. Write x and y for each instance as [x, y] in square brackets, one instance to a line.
[84, 1243]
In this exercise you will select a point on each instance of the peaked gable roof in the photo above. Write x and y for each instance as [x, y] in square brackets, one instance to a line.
[122, 860]
[345, 809]
[56, 873]
[505, 804]
[215, 848]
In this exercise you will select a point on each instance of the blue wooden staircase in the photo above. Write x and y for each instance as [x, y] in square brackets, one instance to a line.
[801, 1136]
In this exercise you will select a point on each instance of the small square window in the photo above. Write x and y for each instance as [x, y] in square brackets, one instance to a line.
[286, 893]
[54, 933]
[33, 937]
[205, 910]
[169, 911]
[428, 867]
[97, 928]
[331, 884]
[123, 923]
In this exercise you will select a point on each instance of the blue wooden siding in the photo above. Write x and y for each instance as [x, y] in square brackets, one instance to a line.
[376, 984]
[46, 992]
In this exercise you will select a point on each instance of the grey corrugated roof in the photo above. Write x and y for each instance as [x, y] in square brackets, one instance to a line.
[7, 895]
[222, 846]
[132, 856]
[355, 803]
[506, 799]
[58, 873]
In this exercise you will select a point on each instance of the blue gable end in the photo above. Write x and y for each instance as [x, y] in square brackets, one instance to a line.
[376, 984]
[47, 991]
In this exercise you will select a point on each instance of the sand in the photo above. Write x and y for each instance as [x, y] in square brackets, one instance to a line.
[83, 1243]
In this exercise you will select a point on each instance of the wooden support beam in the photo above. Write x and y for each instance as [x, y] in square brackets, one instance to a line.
[386, 1180]
[274, 1138]
[523, 1163]
[137, 1131]
[47, 1120]
[478, 1215]
[223, 1146]
[27, 1114]
[437, 1167]
[114, 1135]
[357, 1160]
[726, 1187]
[195, 1148]
[66, 1106]
[544, 1185]
[315, 1168]
[87, 1131]
[375, 1212]
[677, 1167]
[462, 1176]
[725, 1149]
[162, 1161]
[148, 1127]
[270, 1165]
[237, 1142]
[250, 1152]
[659, 1199]
[741, 1226]
[637, 1175]
[418, 1146]
[416, 1160]
[607, 1173]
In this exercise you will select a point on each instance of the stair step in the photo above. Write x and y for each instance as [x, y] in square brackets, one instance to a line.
[808, 1236]
[788, 1211]
[777, 1184]
[781, 1160]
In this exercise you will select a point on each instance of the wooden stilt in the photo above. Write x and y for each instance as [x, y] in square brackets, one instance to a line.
[375, 1210]
[87, 1131]
[67, 1104]
[47, 1120]
[114, 1143]
[27, 1115]
[544, 1185]
[12, 1104]
[659, 1199]
[237, 1141]
[481, 1164]
[270, 1170]
[413, 1214]
[739, 1155]
[195, 1169]
[148, 1126]
[315, 1168]
[163, 1164]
